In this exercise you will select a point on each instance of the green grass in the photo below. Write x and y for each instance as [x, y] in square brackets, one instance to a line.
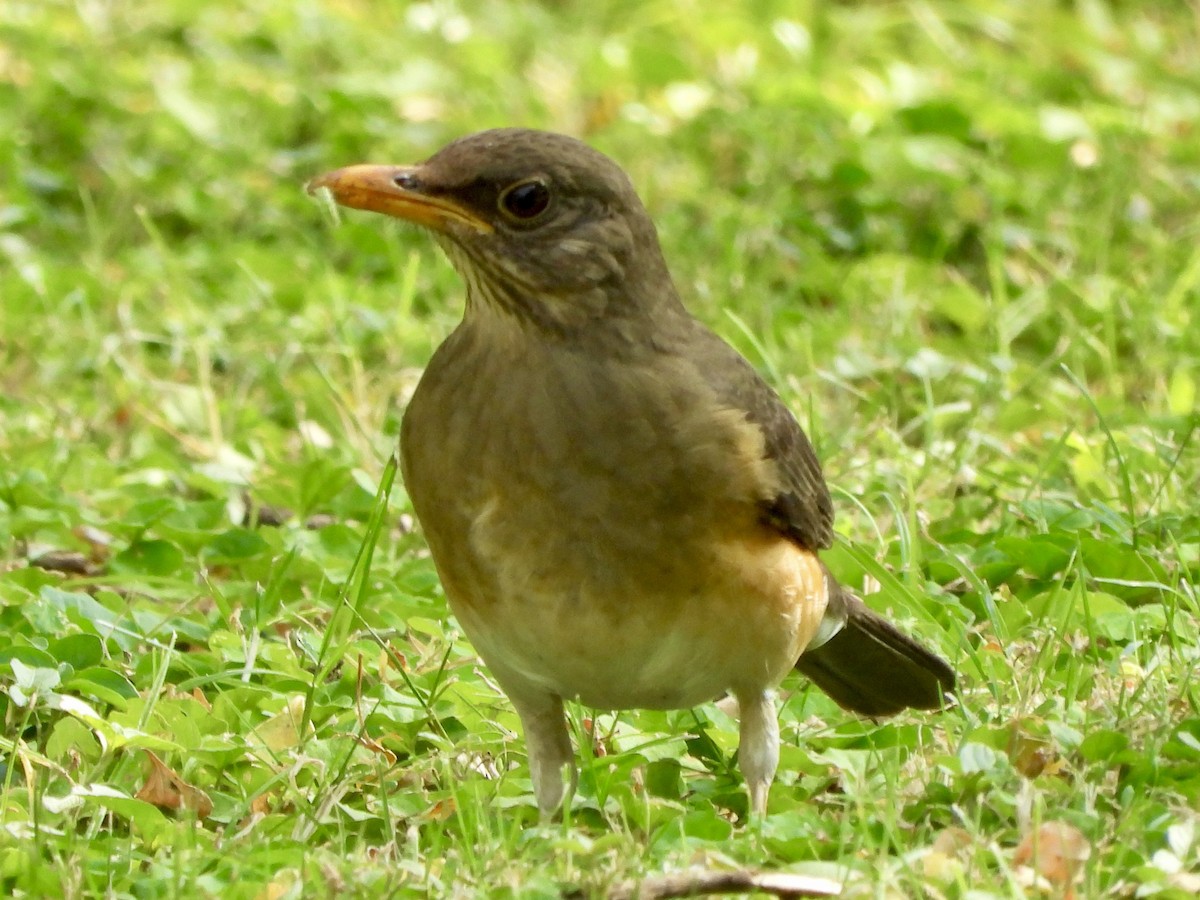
[960, 238]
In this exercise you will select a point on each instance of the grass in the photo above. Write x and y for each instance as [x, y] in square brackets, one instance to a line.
[961, 240]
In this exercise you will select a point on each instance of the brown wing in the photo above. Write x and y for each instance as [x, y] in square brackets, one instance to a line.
[802, 509]
[865, 664]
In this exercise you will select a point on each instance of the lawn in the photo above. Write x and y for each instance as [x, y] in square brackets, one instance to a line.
[961, 239]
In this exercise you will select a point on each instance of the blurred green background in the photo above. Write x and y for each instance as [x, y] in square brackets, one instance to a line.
[961, 239]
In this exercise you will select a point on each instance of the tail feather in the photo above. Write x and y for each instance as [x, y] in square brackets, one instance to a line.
[872, 668]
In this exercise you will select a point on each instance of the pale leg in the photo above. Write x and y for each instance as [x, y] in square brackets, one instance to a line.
[549, 749]
[758, 751]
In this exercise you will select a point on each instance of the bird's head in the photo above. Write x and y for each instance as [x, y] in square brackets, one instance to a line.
[539, 225]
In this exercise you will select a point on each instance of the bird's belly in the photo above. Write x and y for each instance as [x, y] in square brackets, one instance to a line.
[641, 633]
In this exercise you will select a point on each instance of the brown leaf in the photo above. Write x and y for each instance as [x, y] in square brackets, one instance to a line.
[166, 790]
[1056, 851]
[1032, 756]
[264, 515]
[441, 811]
[697, 882]
[376, 747]
[68, 562]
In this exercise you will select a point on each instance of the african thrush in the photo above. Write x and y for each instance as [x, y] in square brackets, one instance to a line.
[620, 509]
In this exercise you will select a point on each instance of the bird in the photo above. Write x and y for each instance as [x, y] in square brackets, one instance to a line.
[621, 511]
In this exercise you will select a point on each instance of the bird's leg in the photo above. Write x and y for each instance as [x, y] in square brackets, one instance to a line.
[758, 750]
[549, 748]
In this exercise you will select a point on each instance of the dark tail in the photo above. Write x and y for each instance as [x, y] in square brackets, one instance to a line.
[869, 666]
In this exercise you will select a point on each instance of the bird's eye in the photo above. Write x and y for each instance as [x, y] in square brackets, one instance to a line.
[525, 200]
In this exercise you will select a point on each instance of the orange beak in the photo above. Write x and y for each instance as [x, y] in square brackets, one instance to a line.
[395, 191]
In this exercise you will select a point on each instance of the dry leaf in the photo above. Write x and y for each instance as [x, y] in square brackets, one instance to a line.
[66, 562]
[376, 747]
[441, 811]
[697, 882]
[282, 730]
[166, 790]
[1055, 852]
[1033, 756]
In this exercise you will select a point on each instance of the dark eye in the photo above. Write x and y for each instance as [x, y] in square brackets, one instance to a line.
[525, 200]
